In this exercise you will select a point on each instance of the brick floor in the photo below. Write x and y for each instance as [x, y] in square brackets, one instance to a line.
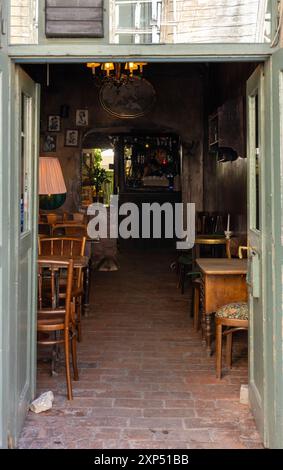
[145, 378]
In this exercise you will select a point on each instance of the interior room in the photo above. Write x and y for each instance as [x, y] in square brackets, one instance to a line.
[150, 364]
[186, 100]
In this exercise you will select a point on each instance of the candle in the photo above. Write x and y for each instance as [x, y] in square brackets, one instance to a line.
[228, 223]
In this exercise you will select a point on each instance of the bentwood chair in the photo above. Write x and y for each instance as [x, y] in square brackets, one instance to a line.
[56, 321]
[70, 229]
[196, 282]
[68, 246]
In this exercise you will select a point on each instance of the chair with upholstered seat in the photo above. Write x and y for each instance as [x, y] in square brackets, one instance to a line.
[55, 318]
[235, 317]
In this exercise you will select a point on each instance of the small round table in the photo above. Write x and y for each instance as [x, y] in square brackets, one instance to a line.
[212, 239]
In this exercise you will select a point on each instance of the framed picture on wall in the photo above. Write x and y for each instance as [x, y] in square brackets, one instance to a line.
[82, 117]
[49, 143]
[54, 123]
[71, 138]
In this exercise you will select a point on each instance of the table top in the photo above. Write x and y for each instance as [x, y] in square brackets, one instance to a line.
[210, 239]
[222, 265]
[79, 261]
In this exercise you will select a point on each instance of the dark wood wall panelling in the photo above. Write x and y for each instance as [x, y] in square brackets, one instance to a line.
[225, 184]
[74, 18]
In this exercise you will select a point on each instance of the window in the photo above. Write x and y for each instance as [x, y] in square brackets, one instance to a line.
[136, 22]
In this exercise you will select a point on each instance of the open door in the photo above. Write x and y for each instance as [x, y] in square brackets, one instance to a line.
[24, 146]
[265, 247]
[255, 252]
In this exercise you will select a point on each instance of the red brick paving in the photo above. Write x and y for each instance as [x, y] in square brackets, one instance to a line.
[145, 378]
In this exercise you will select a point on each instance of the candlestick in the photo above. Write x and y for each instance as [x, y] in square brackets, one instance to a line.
[228, 223]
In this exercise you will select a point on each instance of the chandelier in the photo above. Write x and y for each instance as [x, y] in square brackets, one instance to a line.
[116, 74]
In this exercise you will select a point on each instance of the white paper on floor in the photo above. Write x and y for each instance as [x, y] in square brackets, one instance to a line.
[244, 394]
[42, 403]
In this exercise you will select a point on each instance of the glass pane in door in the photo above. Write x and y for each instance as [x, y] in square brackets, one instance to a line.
[255, 164]
[24, 162]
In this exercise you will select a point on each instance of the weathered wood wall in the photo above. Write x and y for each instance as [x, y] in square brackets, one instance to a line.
[183, 21]
[23, 22]
[198, 21]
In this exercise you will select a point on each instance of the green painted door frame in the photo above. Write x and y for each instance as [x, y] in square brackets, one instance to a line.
[266, 308]
[271, 413]
[6, 257]
[273, 241]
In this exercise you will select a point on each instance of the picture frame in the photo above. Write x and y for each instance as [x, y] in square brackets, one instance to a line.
[54, 123]
[49, 143]
[82, 117]
[71, 138]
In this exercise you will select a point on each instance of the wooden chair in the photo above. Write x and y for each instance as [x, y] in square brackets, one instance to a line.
[76, 217]
[196, 285]
[70, 229]
[44, 228]
[68, 246]
[234, 316]
[62, 246]
[201, 222]
[55, 322]
[50, 217]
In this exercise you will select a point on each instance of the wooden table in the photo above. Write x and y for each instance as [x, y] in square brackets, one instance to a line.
[223, 281]
[79, 262]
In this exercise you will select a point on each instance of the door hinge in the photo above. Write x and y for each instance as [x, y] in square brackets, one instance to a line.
[10, 442]
[2, 22]
[3, 27]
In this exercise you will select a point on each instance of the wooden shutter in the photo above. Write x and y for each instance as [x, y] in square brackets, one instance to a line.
[74, 18]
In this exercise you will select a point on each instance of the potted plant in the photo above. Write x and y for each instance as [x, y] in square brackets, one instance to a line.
[95, 176]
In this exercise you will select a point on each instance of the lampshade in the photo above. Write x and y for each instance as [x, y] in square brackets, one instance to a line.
[51, 180]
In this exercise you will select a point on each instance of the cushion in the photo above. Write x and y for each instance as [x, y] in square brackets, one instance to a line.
[236, 310]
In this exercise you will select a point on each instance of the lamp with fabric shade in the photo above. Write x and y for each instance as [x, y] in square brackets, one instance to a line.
[52, 188]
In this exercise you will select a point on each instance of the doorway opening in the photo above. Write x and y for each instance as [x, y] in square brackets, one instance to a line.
[196, 132]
